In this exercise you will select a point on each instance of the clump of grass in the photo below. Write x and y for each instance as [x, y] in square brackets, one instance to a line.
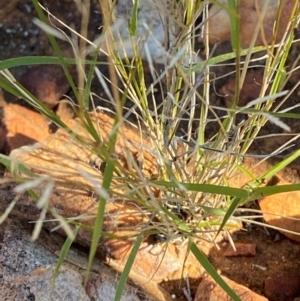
[195, 201]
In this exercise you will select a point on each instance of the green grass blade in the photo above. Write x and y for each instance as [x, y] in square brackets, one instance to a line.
[97, 232]
[285, 115]
[270, 190]
[64, 251]
[88, 85]
[41, 60]
[7, 86]
[97, 229]
[107, 179]
[282, 164]
[235, 203]
[212, 272]
[182, 226]
[207, 188]
[134, 19]
[263, 191]
[128, 266]
[89, 126]
[222, 58]
[14, 166]
[234, 24]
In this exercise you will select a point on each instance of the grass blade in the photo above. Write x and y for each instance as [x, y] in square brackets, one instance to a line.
[212, 272]
[207, 188]
[64, 251]
[128, 266]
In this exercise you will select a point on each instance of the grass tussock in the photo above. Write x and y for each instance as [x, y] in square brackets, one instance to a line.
[195, 200]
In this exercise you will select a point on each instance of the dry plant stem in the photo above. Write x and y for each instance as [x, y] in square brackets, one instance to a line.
[107, 7]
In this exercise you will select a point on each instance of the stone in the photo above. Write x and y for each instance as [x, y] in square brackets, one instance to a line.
[23, 126]
[64, 111]
[133, 150]
[27, 270]
[250, 14]
[68, 285]
[48, 83]
[150, 30]
[150, 37]
[282, 286]
[241, 249]
[19, 257]
[209, 290]
[282, 210]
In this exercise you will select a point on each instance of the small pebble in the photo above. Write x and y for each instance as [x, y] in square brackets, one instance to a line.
[46, 82]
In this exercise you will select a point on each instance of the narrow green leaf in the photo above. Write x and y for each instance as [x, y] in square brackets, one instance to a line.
[271, 190]
[279, 166]
[89, 126]
[41, 60]
[7, 86]
[207, 188]
[234, 24]
[179, 222]
[134, 18]
[263, 191]
[64, 251]
[107, 179]
[212, 272]
[15, 166]
[97, 232]
[235, 203]
[88, 85]
[222, 58]
[214, 211]
[128, 266]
